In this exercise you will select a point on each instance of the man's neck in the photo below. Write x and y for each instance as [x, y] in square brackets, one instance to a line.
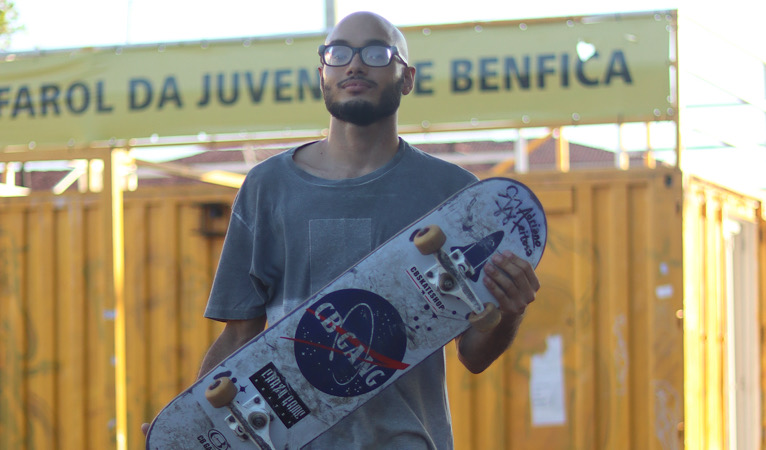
[350, 151]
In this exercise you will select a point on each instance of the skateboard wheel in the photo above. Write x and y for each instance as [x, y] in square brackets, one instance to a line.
[221, 392]
[487, 319]
[429, 239]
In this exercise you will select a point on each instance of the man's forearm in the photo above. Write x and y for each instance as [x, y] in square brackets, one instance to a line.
[478, 350]
[214, 356]
[236, 334]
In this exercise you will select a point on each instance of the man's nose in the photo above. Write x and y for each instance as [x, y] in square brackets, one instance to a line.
[356, 64]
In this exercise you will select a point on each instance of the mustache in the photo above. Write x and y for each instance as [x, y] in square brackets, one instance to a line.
[356, 78]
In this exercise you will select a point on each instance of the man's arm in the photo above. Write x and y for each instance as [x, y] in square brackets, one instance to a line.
[235, 334]
[513, 283]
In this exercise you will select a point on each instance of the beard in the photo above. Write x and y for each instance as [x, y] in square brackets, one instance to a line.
[364, 112]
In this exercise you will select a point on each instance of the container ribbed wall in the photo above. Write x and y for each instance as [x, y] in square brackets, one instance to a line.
[598, 362]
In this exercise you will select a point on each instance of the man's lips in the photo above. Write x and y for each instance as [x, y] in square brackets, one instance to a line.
[351, 83]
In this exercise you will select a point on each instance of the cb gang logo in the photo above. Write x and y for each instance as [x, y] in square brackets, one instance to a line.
[217, 441]
[350, 342]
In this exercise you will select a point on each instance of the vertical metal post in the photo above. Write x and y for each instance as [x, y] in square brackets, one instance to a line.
[649, 160]
[675, 64]
[331, 14]
[522, 154]
[621, 158]
[562, 152]
[112, 207]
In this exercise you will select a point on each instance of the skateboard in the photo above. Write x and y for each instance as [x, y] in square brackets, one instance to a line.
[404, 301]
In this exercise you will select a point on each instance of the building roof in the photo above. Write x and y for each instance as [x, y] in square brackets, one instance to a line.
[475, 156]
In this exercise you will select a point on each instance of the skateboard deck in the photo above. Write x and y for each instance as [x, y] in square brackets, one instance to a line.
[361, 332]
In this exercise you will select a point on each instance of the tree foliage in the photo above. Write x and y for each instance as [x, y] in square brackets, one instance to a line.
[8, 22]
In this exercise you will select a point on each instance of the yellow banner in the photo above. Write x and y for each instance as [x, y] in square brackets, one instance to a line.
[501, 74]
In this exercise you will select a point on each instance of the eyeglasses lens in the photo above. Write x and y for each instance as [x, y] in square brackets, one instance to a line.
[373, 55]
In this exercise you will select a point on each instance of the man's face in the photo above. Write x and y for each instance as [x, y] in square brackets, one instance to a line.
[361, 110]
[358, 93]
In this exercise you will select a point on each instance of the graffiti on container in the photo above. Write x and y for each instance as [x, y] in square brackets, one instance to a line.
[621, 360]
[26, 416]
[667, 414]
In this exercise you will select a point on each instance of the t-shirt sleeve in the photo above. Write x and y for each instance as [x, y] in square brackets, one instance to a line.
[236, 294]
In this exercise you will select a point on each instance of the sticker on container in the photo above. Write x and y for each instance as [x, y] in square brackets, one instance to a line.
[664, 291]
[546, 386]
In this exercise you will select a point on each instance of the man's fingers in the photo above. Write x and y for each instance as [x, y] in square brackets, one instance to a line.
[512, 280]
[520, 267]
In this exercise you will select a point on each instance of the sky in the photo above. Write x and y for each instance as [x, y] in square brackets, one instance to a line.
[81, 23]
[57, 24]
[53, 24]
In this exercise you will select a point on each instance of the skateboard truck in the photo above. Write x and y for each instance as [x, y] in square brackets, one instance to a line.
[449, 276]
[249, 421]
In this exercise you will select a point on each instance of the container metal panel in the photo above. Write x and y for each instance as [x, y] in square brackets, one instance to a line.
[57, 345]
[599, 361]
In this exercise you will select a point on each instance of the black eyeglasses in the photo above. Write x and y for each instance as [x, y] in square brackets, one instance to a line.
[337, 55]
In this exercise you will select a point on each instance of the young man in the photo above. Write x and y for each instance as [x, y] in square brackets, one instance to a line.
[302, 217]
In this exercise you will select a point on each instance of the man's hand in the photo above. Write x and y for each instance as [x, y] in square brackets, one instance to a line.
[514, 284]
[512, 281]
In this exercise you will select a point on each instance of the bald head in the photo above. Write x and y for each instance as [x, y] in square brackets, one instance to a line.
[367, 26]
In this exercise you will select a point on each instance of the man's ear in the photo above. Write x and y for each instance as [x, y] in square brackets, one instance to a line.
[409, 80]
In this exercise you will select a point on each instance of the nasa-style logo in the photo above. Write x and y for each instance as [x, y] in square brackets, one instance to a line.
[350, 342]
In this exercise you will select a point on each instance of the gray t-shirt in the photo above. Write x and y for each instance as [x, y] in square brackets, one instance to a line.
[291, 233]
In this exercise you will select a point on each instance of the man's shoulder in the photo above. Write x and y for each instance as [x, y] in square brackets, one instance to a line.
[271, 165]
[440, 167]
[263, 177]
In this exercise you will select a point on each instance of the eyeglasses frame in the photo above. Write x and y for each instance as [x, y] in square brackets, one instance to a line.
[358, 50]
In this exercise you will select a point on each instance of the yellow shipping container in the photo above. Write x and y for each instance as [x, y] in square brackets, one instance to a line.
[724, 312]
[598, 363]
[636, 268]
[57, 316]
